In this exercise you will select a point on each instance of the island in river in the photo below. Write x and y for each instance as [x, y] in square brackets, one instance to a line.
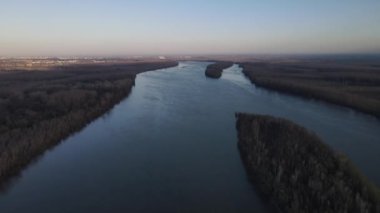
[92, 89]
[298, 171]
[215, 70]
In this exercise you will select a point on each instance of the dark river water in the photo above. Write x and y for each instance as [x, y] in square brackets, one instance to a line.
[171, 146]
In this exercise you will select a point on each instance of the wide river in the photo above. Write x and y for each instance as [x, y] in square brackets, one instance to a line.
[171, 146]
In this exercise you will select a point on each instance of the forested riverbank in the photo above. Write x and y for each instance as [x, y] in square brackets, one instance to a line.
[39, 109]
[356, 86]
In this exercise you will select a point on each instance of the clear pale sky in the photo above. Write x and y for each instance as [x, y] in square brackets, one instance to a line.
[116, 27]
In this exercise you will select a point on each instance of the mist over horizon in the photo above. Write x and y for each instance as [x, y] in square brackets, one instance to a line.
[166, 27]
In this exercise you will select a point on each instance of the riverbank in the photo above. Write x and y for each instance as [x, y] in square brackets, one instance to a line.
[298, 171]
[39, 109]
[215, 70]
[351, 85]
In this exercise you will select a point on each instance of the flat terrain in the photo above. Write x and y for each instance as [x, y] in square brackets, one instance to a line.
[47, 64]
[40, 108]
[355, 85]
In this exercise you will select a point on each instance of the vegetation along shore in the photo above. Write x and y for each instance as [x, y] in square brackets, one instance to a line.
[298, 172]
[352, 85]
[40, 108]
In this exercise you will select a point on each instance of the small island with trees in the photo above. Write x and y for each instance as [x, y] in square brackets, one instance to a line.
[215, 70]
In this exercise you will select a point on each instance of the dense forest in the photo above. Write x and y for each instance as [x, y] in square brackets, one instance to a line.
[354, 86]
[298, 172]
[40, 108]
[215, 70]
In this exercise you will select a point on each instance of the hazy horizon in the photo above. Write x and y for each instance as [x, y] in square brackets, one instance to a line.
[166, 27]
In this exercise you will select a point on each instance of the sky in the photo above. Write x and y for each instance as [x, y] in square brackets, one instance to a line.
[165, 27]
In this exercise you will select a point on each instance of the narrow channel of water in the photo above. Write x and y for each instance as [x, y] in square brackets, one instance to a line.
[171, 146]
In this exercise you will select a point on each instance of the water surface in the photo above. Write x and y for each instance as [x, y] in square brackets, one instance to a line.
[171, 146]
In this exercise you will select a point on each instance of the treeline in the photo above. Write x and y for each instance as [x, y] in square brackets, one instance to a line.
[39, 109]
[355, 87]
[215, 70]
[298, 172]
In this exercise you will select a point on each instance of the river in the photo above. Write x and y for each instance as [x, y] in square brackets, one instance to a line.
[171, 146]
